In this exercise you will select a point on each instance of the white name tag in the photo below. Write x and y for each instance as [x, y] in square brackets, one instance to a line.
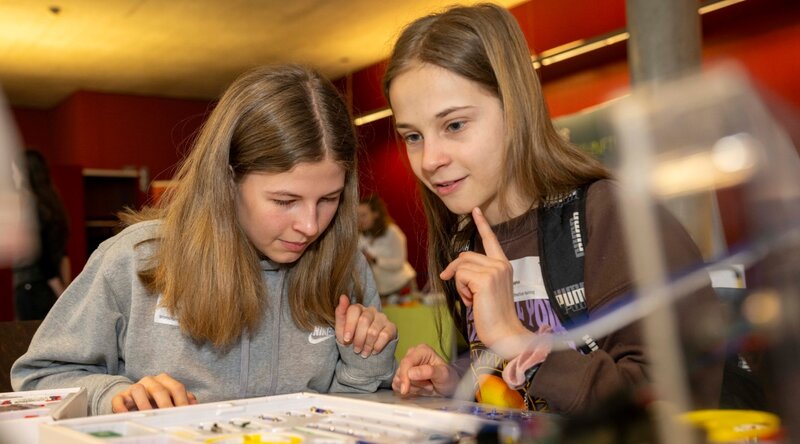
[163, 315]
[528, 282]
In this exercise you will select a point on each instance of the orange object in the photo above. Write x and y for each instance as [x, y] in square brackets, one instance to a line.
[493, 390]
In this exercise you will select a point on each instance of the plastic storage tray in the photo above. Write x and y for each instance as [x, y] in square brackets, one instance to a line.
[22, 412]
[295, 418]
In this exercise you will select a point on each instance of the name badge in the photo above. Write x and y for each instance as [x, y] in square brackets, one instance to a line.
[528, 282]
[163, 316]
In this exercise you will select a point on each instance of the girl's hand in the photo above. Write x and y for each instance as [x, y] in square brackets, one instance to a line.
[423, 372]
[485, 283]
[151, 392]
[366, 328]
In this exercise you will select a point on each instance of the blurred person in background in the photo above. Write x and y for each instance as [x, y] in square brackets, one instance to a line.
[384, 245]
[17, 236]
[41, 277]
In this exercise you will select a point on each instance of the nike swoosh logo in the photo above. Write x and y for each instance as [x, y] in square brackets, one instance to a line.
[317, 339]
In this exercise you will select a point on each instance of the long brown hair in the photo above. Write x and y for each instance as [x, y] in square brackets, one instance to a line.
[376, 205]
[208, 272]
[50, 212]
[484, 44]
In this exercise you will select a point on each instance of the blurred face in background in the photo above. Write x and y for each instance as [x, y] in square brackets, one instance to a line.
[366, 217]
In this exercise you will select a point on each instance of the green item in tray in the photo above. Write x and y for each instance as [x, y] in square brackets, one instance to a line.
[105, 434]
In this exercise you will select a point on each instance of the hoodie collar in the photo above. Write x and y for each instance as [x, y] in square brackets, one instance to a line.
[268, 265]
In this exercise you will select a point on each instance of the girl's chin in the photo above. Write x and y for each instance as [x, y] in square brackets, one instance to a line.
[459, 208]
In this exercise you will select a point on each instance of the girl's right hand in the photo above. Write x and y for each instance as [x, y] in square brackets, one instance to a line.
[485, 283]
[151, 392]
[423, 372]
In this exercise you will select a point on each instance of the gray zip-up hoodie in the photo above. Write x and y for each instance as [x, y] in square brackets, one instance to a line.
[106, 332]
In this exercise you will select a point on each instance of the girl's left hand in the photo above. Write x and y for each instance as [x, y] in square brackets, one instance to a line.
[485, 283]
[366, 328]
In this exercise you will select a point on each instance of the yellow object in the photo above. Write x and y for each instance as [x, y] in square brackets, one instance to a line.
[733, 426]
[257, 438]
[494, 390]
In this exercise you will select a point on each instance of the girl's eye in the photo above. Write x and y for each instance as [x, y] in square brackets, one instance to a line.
[412, 137]
[456, 126]
[282, 203]
[331, 199]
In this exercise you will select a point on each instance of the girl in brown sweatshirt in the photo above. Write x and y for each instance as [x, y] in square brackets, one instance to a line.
[469, 108]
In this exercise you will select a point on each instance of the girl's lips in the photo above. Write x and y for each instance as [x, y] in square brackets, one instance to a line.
[294, 246]
[445, 188]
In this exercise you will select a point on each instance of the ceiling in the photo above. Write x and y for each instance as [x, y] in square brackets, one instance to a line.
[186, 48]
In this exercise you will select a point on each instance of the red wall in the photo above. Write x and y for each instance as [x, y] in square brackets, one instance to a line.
[106, 131]
[102, 130]
[366, 91]
[36, 129]
[113, 131]
[548, 24]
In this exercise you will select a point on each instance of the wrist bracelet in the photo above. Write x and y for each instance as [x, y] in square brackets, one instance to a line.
[531, 372]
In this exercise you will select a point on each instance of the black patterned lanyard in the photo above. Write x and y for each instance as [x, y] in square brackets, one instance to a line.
[562, 242]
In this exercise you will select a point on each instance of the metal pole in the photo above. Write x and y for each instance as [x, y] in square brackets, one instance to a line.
[664, 44]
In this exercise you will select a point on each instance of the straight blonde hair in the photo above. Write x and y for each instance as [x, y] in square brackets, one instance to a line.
[484, 44]
[206, 269]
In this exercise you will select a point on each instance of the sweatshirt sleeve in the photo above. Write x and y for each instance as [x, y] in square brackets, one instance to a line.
[571, 381]
[79, 342]
[353, 373]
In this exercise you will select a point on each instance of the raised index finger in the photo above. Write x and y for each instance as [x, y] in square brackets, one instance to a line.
[490, 243]
[341, 318]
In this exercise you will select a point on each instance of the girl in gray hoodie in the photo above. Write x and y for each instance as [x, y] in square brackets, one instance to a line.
[246, 279]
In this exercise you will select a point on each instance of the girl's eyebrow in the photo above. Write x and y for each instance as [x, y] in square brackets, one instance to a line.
[334, 193]
[441, 114]
[452, 109]
[282, 193]
[285, 193]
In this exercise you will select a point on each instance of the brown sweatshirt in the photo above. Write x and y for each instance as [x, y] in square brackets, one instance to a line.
[568, 381]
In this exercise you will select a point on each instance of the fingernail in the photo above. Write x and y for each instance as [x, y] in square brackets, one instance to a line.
[365, 355]
[347, 337]
[357, 350]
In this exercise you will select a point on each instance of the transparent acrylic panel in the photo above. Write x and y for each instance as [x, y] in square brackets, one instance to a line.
[707, 150]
